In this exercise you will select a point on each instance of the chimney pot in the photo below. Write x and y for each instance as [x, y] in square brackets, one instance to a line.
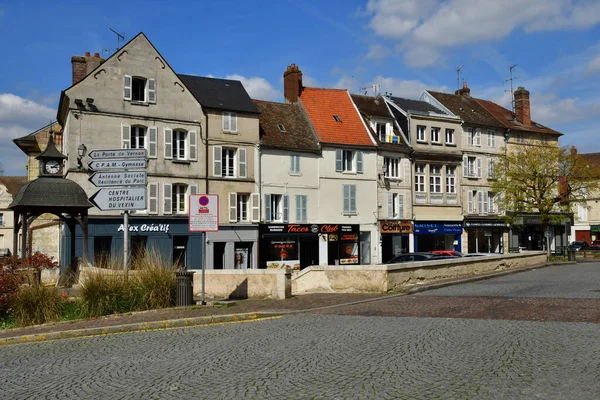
[96, 55]
[465, 91]
[292, 83]
[87, 53]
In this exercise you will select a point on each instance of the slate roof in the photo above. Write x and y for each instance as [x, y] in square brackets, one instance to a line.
[467, 108]
[49, 192]
[508, 119]
[417, 106]
[322, 104]
[222, 94]
[13, 183]
[298, 135]
[31, 142]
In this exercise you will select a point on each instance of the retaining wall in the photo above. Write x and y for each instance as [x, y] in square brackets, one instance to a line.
[244, 284]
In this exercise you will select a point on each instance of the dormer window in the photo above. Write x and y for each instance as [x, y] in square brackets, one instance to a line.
[138, 89]
[281, 127]
[337, 118]
[230, 122]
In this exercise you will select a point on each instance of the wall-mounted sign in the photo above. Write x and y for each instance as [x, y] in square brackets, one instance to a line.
[203, 213]
[486, 224]
[119, 178]
[395, 227]
[309, 228]
[146, 228]
[109, 199]
[438, 228]
[117, 153]
[118, 164]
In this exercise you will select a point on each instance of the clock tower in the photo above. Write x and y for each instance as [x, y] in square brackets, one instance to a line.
[51, 160]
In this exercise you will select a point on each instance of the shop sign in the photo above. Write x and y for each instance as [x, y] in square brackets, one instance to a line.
[485, 224]
[146, 228]
[309, 228]
[595, 228]
[433, 228]
[395, 227]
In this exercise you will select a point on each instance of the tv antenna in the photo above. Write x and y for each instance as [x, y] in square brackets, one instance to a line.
[120, 37]
[458, 76]
[511, 79]
[1, 169]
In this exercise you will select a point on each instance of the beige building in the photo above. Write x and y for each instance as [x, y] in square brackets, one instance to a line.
[9, 187]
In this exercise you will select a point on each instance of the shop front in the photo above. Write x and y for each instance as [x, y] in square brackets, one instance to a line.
[232, 247]
[528, 232]
[438, 236]
[485, 235]
[168, 237]
[297, 246]
[395, 238]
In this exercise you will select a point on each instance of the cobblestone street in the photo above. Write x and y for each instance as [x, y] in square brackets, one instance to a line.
[495, 339]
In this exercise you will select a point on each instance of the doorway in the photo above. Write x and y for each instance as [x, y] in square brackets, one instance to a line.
[309, 252]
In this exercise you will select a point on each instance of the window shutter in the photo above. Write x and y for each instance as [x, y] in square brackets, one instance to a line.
[193, 137]
[400, 206]
[125, 136]
[390, 204]
[267, 208]
[465, 166]
[226, 121]
[217, 161]
[470, 136]
[297, 164]
[359, 162]
[479, 167]
[153, 198]
[485, 202]
[285, 208]
[255, 207]
[167, 198]
[152, 139]
[151, 91]
[478, 137]
[233, 122]
[491, 205]
[126, 87]
[470, 201]
[352, 198]
[489, 138]
[168, 143]
[242, 163]
[298, 208]
[193, 189]
[480, 202]
[232, 207]
[338, 160]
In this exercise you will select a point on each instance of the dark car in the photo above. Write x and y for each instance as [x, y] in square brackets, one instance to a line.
[578, 245]
[408, 257]
[449, 253]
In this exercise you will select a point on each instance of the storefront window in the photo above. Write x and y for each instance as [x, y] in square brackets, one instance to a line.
[282, 252]
[102, 248]
[365, 248]
[180, 251]
[243, 252]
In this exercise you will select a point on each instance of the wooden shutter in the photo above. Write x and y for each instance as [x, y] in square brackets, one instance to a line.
[232, 207]
[478, 137]
[242, 163]
[153, 198]
[226, 118]
[480, 202]
[470, 136]
[267, 208]
[359, 162]
[255, 207]
[193, 138]
[168, 143]
[400, 206]
[151, 91]
[126, 87]
[217, 161]
[338, 160]
[390, 205]
[479, 167]
[485, 202]
[125, 136]
[465, 166]
[470, 201]
[285, 209]
[152, 139]
[353, 198]
[491, 205]
[167, 198]
[194, 189]
[298, 208]
[233, 122]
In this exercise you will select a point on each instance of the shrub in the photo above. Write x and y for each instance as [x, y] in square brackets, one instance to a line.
[37, 304]
[10, 278]
[155, 279]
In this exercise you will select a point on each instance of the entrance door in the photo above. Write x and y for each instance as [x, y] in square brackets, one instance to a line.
[180, 251]
[309, 252]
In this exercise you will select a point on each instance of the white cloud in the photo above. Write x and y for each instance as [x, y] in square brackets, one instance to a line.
[258, 88]
[411, 89]
[593, 66]
[377, 52]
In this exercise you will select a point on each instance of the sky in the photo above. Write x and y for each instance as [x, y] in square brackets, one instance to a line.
[404, 46]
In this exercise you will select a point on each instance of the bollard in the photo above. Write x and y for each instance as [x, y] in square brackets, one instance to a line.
[185, 288]
[571, 254]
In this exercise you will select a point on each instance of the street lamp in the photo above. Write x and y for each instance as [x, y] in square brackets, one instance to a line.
[81, 152]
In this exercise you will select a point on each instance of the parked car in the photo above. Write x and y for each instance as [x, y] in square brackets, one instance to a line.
[578, 245]
[479, 254]
[596, 243]
[451, 253]
[593, 247]
[408, 257]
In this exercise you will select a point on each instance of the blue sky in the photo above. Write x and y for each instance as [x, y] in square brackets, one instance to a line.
[404, 46]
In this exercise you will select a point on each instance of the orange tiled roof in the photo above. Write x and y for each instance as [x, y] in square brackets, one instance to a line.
[322, 104]
[506, 116]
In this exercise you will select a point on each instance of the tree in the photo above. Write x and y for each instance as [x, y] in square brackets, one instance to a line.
[544, 179]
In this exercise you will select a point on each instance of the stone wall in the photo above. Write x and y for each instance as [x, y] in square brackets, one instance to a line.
[244, 284]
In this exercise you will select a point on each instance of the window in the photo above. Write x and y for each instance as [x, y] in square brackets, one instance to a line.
[281, 127]
[395, 205]
[381, 131]
[229, 122]
[228, 157]
[472, 167]
[491, 200]
[544, 139]
[337, 118]
[349, 199]
[244, 207]
[391, 166]
[102, 250]
[179, 198]
[472, 195]
[420, 178]
[179, 140]
[138, 89]
[582, 213]
[420, 133]
[138, 137]
[491, 138]
[449, 136]
[301, 207]
[435, 135]
[519, 138]
[1, 219]
[276, 208]
[295, 164]
[347, 160]
[435, 179]
[243, 200]
[450, 180]
[229, 162]
[474, 137]
[491, 168]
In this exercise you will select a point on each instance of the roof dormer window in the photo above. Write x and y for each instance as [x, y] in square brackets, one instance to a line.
[138, 89]
[337, 118]
[281, 127]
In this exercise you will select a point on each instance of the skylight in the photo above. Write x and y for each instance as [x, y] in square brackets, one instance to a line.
[337, 118]
[281, 127]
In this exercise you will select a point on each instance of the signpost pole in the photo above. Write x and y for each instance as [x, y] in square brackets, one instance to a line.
[126, 242]
[203, 266]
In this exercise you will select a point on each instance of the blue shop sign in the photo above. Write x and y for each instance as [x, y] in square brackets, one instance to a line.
[433, 228]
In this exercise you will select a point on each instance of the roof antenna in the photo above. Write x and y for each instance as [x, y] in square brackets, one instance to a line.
[511, 79]
[1, 169]
[120, 37]
[458, 76]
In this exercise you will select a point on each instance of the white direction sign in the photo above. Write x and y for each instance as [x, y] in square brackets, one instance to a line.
[118, 164]
[203, 213]
[119, 178]
[117, 153]
[120, 199]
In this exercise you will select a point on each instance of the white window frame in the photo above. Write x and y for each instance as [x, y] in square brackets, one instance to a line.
[348, 157]
[229, 155]
[491, 138]
[1, 219]
[243, 207]
[582, 213]
[477, 139]
[135, 135]
[349, 199]
[139, 78]
[491, 199]
[179, 144]
[491, 170]
[391, 167]
[294, 164]
[276, 208]
[435, 179]
[420, 178]
[421, 129]
[450, 180]
[449, 136]
[230, 122]
[435, 134]
[179, 193]
[381, 130]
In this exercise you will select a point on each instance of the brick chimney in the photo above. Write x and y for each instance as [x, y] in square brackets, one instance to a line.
[292, 84]
[465, 91]
[83, 65]
[522, 108]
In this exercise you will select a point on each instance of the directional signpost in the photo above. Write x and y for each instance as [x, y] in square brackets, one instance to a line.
[121, 175]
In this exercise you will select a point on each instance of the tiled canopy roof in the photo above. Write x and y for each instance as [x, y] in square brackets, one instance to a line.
[50, 192]
[322, 105]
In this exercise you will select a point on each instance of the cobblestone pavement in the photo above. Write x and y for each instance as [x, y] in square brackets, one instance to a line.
[488, 340]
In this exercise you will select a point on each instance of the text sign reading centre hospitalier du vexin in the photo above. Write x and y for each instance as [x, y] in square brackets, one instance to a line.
[108, 199]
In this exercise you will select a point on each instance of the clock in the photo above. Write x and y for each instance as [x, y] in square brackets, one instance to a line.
[52, 167]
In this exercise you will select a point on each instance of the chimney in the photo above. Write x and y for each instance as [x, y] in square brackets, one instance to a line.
[83, 65]
[522, 108]
[292, 84]
[465, 91]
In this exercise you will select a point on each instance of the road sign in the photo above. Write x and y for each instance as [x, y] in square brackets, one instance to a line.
[118, 164]
[203, 213]
[548, 234]
[119, 178]
[117, 153]
[109, 199]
